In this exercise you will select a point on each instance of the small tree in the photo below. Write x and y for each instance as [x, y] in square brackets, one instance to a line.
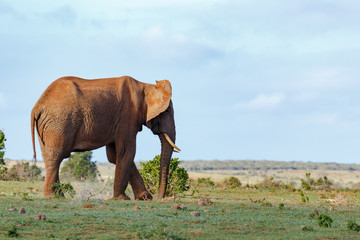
[80, 167]
[178, 177]
[2, 146]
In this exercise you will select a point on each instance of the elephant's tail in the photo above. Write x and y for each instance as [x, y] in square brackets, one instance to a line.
[33, 120]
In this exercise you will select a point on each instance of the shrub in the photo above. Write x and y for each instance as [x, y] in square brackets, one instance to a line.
[80, 167]
[324, 220]
[232, 182]
[2, 146]
[205, 182]
[3, 171]
[177, 181]
[353, 226]
[310, 183]
[63, 190]
[12, 232]
[270, 183]
[20, 171]
[304, 198]
[281, 206]
[307, 228]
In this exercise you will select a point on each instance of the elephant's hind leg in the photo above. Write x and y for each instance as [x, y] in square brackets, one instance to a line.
[52, 176]
[53, 153]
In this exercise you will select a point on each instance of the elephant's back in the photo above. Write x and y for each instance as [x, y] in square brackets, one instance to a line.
[68, 95]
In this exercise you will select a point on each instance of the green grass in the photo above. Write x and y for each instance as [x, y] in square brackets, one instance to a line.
[236, 214]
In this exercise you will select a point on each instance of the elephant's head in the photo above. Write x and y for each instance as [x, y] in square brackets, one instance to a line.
[160, 119]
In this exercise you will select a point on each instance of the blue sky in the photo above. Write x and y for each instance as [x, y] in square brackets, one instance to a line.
[274, 80]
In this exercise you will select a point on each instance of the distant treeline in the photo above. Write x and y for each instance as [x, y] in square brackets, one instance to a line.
[205, 165]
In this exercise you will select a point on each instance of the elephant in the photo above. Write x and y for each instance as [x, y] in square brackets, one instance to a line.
[75, 114]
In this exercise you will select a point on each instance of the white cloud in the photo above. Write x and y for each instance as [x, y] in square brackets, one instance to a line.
[263, 101]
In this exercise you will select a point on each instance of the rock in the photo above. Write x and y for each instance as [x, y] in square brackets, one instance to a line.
[204, 202]
[168, 199]
[88, 205]
[136, 208]
[40, 217]
[179, 206]
[195, 213]
[12, 209]
[22, 210]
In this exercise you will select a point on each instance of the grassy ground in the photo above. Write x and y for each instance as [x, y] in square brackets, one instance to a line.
[235, 214]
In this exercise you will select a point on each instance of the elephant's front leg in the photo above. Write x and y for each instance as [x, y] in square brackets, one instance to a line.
[125, 153]
[136, 181]
[138, 186]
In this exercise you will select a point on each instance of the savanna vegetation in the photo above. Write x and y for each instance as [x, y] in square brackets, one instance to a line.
[219, 211]
[209, 209]
[199, 207]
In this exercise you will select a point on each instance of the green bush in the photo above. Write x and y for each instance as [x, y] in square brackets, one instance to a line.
[63, 190]
[310, 183]
[205, 182]
[12, 232]
[304, 198]
[270, 183]
[353, 226]
[2, 146]
[177, 181]
[232, 182]
[80, 167]
[324, 220]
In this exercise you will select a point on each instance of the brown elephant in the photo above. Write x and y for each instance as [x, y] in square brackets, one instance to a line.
[75, 114]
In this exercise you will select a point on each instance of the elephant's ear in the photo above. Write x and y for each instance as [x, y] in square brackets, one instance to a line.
[157, 98]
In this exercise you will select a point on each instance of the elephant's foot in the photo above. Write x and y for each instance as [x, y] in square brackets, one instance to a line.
[144, 196]
[49, 193]
[121, 197]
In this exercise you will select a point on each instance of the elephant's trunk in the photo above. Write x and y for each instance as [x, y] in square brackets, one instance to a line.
[166, 152]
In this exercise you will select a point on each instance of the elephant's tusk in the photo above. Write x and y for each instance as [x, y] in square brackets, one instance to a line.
[171, 142]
